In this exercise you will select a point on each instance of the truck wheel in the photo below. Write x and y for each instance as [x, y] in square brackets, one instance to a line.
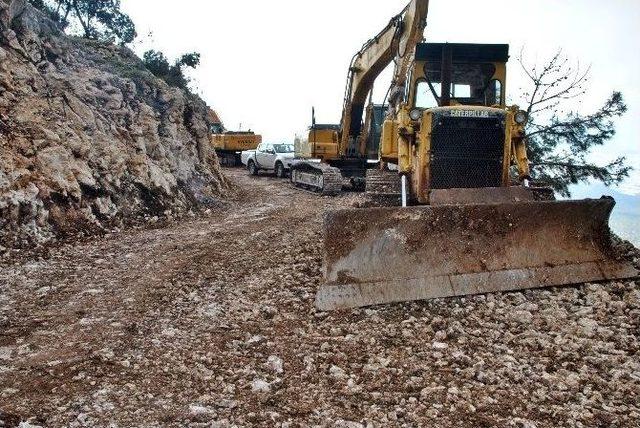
[280, 171]
[253, 169]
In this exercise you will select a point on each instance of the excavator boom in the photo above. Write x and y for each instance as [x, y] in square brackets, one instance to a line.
[397, 41]
[334, 155]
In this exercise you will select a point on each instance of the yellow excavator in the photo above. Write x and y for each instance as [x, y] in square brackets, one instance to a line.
[337, 155]
[229, 144]
[453, 160]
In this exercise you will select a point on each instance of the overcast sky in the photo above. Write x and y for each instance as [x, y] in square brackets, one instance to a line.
[266, 63]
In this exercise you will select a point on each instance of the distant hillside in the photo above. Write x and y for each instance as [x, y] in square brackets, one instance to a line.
[625, 204]
[625, 219]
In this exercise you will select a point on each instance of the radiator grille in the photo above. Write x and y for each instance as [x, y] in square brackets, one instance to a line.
[466, 152]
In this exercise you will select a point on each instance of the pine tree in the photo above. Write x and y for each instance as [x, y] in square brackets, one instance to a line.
[173, 74]
[559, 141]
[93, 19]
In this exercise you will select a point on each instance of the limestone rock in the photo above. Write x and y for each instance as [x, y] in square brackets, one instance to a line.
[89, 138]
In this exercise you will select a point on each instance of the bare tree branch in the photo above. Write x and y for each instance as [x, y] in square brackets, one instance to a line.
[560, 143]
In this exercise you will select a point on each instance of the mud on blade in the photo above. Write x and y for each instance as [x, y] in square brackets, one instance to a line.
[383, 255]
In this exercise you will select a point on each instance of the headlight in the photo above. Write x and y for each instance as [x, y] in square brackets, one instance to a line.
[415, 114]
[521, 117]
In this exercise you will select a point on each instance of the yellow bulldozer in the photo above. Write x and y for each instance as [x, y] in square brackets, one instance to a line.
[229, 144]
[457, 212]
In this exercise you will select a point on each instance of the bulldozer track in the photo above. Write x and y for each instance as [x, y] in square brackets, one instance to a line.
[383, 188]
[328, 181]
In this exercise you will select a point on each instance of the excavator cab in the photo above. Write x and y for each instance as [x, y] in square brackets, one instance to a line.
[229, 144]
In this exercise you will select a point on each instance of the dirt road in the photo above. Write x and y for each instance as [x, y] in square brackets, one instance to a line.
[210, 322]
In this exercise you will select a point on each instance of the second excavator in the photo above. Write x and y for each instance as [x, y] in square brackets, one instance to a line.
[453, 158]
[335, 155]
[229, 144]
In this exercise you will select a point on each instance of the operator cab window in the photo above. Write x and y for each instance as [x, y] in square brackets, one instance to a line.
[425, 96]
[215, 128]
[461, 90]
[493, 95]
[471, 84]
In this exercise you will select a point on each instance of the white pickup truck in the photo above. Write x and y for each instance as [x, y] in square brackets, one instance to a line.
[269, 157]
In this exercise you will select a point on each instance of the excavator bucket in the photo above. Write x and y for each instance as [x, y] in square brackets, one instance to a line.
[383, 255]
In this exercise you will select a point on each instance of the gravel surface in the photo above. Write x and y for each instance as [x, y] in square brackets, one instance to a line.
[210, 322]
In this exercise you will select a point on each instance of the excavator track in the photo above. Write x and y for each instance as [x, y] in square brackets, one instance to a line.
[317, 177]
[383, 188]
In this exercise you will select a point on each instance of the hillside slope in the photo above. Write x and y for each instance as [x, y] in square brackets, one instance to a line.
[89, 138]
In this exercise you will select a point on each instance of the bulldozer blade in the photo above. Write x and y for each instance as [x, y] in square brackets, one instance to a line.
[383, 255]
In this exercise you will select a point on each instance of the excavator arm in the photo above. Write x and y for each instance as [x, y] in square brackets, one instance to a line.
[397, 42]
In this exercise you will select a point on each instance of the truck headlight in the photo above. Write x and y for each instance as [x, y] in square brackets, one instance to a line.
[521, 117]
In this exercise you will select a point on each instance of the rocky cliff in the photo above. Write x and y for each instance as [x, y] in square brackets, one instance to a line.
[89, 138]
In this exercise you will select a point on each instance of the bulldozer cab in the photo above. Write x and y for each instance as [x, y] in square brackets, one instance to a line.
[450, 74]
[465, 136]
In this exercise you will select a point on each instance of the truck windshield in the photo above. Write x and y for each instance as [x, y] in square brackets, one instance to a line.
[283, 148]
[471, 84]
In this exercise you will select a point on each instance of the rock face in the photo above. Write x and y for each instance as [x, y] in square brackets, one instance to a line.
[89, 138]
